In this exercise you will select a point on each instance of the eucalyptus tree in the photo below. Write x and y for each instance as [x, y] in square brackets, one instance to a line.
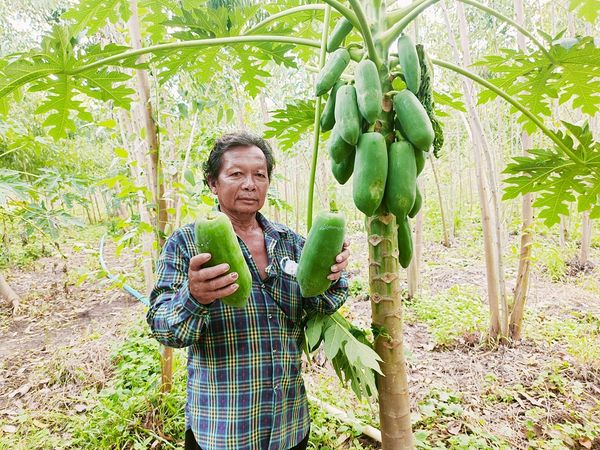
[199, 38]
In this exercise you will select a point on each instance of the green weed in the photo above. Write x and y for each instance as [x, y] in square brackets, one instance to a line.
[579, 333]
[450, 314]
[442, 423]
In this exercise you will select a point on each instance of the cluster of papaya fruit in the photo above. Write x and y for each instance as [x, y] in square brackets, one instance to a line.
[385, 160]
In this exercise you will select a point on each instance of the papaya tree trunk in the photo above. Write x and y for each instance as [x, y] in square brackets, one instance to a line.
[522, 284]
[386, 306]
[9, 294]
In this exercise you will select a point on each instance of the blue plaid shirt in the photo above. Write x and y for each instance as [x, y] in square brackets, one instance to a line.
[245, 389]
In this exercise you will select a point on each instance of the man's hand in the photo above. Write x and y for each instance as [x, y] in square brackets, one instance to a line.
[207, 285]
[341, 261]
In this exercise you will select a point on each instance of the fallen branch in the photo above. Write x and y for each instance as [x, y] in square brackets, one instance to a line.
[340, 415]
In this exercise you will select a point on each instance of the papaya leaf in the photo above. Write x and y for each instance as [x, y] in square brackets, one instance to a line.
[59, 102]
[557, 179]
[106, 85]
[333, 341]
[536, 81]
[291, 122]
[95, 14]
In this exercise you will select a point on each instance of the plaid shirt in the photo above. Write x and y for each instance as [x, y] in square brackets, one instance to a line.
[245, 389]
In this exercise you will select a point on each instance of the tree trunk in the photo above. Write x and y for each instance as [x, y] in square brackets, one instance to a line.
[446, 238]
[186, 162]
[143, 90]
[9, 294]
[415, 264]
[386, 304]
[522, 284]
[156, 184]
[494, 270]
[586, 238]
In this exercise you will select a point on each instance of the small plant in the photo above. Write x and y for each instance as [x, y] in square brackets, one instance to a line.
[451, 314]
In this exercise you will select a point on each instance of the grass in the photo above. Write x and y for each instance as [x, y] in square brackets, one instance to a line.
[579, 333]
[450, 314]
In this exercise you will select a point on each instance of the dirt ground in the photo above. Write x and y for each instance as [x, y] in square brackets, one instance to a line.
[61, 338]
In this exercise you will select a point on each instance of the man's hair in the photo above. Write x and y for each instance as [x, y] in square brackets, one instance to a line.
[212, 166]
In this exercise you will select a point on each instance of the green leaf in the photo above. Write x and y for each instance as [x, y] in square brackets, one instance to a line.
[95, 14]
[291, 122]
[333, 341]
[536, 81]
[314, 330]
[105, 84]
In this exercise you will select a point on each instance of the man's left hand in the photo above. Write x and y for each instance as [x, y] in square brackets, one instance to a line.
[341, 261]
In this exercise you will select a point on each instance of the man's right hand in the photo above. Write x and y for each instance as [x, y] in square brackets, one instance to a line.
[208, 284]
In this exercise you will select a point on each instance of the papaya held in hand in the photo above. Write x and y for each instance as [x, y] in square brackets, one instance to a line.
[323, 245]
[214, 234]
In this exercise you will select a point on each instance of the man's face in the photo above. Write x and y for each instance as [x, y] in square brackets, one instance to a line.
[243, 181]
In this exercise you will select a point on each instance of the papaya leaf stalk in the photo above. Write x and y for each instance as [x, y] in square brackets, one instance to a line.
[317, 125]
[559, 143]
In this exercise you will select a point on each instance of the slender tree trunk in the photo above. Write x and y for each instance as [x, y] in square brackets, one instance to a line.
[415, 265]
[446, 238]
[586, 238]
[524, 271]
[184, 167]
[156, 184]
[494, 270]
[9, 294]
[386, 305]
[147, 119]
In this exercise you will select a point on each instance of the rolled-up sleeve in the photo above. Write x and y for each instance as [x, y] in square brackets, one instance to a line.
[175, 317]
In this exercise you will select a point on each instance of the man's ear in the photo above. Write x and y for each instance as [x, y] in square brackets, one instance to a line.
[213, 186]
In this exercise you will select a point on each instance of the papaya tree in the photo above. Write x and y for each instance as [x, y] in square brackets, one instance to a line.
[383, 87]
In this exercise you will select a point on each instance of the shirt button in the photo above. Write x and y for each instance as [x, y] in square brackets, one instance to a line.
[270, 316]
[262, 286]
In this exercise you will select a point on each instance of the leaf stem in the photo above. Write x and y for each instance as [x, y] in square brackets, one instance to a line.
[513, 102]
[174, 46]
[508, 20]
[394, 31]
[281, 14]
[344, 11]
[395, 15]
[317, 125]
[365, 31]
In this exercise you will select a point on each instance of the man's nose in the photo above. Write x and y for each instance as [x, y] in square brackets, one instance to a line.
[249, 183]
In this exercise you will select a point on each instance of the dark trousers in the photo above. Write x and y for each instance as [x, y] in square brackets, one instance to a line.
[191, 444]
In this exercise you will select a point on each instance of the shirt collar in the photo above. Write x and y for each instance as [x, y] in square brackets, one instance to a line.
[270, 228]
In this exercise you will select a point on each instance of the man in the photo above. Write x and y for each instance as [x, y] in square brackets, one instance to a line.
[245, 389]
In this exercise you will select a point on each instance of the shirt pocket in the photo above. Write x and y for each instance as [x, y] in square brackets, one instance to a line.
[286, 294]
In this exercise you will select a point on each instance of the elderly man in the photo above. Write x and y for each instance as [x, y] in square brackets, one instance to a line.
[245, 389]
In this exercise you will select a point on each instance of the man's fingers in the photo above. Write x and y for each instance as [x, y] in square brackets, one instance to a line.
[215, 284]
[226, 291]
[199, 260]
[208, 273]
